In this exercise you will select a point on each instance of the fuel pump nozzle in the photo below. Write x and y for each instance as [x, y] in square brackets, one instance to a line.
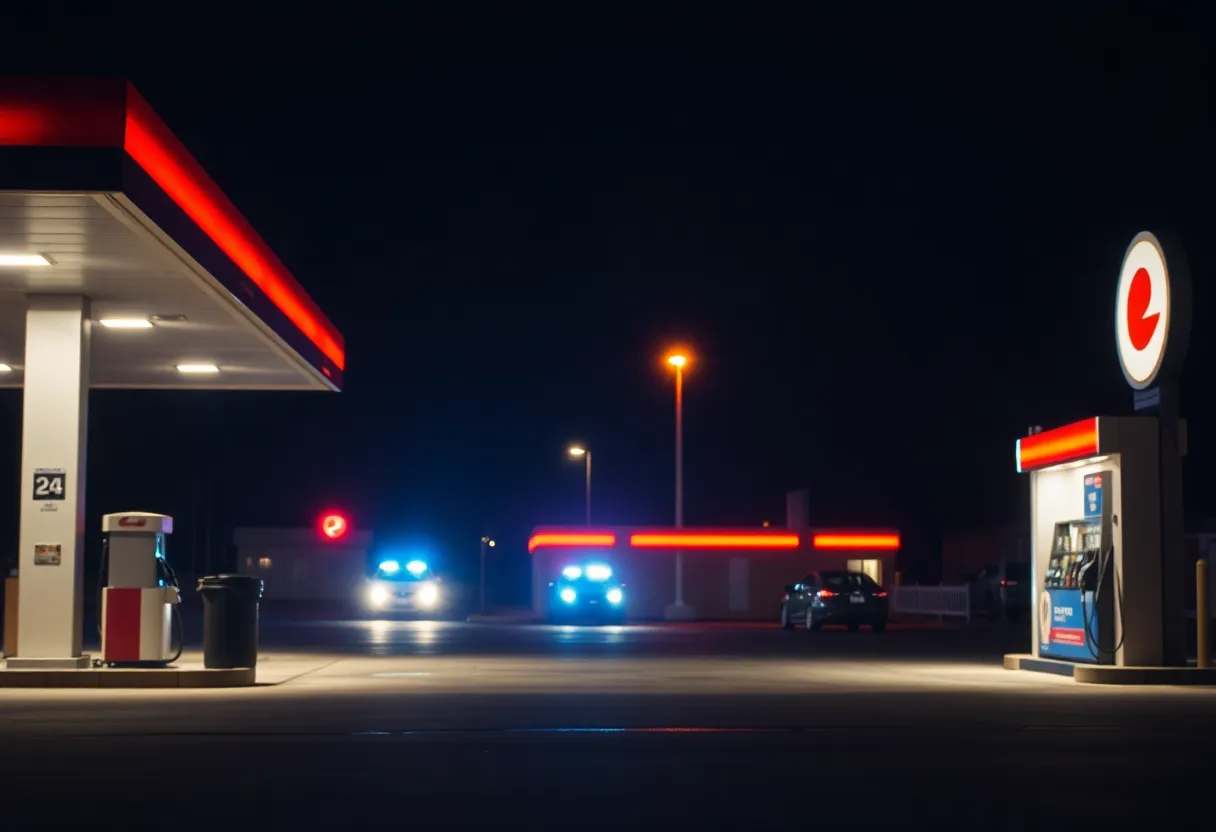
[1090, 560]
[1105, 561]
[170, 580]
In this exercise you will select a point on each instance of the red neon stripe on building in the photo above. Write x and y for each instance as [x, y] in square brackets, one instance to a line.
[1076, 441]
[701, 540]
[856, 542]
[551, 540]
[122, 624]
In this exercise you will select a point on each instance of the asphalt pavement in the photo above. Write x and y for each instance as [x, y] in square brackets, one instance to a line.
[452, 725]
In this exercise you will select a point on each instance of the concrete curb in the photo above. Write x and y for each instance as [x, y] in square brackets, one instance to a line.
[1104, 675]
[1096, 674]
[113, 678]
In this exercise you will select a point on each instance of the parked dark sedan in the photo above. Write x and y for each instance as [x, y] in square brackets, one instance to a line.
[831, 597]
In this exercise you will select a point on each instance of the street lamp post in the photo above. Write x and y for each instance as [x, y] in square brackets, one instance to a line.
[678, 361]
[486, 543]
[577, 451]
[679, 610]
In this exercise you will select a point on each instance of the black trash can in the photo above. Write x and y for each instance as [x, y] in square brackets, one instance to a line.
[230, 620]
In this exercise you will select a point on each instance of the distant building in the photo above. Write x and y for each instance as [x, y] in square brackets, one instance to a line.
[302, 564]
[729, 574]
[967, 551]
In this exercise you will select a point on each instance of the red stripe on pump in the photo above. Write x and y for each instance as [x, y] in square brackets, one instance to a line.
[122, 625]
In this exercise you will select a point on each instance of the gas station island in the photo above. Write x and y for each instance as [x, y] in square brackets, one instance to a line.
[1106, 504]
[122, 265]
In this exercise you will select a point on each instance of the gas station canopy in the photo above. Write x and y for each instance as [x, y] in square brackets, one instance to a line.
[99, 199]
[122, 264]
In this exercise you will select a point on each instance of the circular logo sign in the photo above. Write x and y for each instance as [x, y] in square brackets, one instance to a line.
[1142, 311]
[1045, 618]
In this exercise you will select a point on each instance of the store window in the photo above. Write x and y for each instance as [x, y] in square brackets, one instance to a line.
[868, 566]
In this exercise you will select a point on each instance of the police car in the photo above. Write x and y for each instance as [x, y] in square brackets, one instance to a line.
[409, 588]
[587, 591]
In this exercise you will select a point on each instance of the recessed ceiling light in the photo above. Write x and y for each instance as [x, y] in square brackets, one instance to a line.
[126, 323]
[197, 368]
[4, 368]
[24, 260]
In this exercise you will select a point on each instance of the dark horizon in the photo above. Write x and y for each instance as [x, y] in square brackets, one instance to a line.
[891, 261]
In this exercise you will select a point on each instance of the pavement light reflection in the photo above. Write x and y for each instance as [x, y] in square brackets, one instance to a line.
[384, 634]
[645, 730]
[571, 634]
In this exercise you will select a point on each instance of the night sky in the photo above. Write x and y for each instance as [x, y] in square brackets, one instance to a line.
[892, 252]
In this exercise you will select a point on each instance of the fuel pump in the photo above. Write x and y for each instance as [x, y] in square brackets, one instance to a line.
[1096, 526]
[141, 599]
[1077, 607]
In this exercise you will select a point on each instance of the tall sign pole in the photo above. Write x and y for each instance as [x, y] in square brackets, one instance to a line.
[1152, 332]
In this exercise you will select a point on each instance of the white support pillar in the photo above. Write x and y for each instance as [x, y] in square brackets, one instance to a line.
[53, 444]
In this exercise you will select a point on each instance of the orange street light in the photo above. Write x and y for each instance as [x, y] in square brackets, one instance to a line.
[679, 359]
[575, 452]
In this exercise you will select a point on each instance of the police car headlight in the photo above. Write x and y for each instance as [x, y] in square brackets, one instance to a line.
[615, 596]
[568, 595]
[377, 595]
[428, 595]
[599, 572]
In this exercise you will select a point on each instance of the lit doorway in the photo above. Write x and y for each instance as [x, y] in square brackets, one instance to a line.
[871, 567]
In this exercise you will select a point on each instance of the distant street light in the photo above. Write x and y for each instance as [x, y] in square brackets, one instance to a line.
[576, 451]
[679, 359]
[486, 543]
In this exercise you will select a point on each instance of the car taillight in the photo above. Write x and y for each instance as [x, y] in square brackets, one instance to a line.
[882, 593]
[825, 593]
[1007, 582]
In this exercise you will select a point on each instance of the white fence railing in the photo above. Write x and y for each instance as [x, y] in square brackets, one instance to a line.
[932, 600]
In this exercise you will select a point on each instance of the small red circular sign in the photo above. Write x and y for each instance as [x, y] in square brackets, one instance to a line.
[333, 526]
